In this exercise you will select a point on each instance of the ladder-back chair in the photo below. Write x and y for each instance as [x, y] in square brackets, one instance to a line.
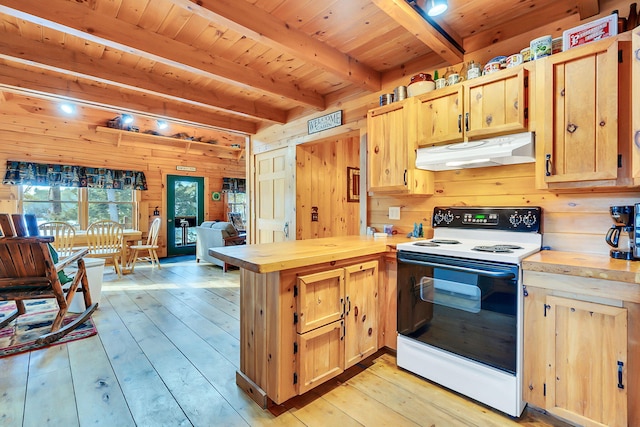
[27, 271]
[104, 238]
[151, 247]
[63, 233]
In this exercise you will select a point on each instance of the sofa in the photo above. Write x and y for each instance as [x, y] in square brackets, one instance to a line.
[214, 234]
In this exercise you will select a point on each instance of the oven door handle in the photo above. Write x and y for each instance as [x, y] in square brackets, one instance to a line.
[493, 274]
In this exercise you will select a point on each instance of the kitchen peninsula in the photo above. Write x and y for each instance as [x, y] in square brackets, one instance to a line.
[309, 310]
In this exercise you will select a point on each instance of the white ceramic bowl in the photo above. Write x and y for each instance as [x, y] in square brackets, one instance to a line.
[418, 88]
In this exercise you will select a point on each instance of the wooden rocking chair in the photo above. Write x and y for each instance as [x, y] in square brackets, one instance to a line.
[27, 271]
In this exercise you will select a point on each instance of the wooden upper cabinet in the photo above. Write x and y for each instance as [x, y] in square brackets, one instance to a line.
[635, 107]
[496, 104]
[440, 116]
[391, 151]
[580, 128]
[480, 108]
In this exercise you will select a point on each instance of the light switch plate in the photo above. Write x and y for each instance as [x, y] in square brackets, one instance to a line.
[394, 212]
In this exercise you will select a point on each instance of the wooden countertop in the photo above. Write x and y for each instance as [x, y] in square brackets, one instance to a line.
[583, 265]
[269, 257]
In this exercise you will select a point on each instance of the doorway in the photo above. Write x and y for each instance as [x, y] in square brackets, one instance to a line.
[185, 208]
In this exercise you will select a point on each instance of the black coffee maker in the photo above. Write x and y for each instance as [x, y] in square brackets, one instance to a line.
[623, 227]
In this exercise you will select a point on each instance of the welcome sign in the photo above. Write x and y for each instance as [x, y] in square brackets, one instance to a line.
[325, 122]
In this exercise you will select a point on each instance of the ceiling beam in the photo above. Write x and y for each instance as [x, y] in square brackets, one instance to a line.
[16, 48]
[256, 24]
[41, 84]
[588, 8]
[80, 21]
[401, 12]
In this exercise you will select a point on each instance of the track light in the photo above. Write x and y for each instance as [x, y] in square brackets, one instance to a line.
[67, 108]
[436, 7]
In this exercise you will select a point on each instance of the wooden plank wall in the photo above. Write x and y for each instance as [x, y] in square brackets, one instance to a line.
[321, 182]
[36, 134]
[573, 221]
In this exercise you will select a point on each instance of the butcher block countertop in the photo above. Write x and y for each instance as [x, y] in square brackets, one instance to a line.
[269, 257]
[583, 265]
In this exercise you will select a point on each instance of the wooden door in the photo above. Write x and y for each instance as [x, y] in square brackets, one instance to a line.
[440, 118]
[496, 105]
[361, 316]
[587, 362]
[388, 134]
[274, 196]
[321, 355]
[320, 299]
[580, 111]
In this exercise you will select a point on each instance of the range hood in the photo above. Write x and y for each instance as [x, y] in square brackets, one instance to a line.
[503, 150]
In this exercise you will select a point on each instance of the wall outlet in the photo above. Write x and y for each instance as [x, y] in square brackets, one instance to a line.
[394, 212]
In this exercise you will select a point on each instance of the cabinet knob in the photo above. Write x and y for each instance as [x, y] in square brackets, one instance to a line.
[376, 149]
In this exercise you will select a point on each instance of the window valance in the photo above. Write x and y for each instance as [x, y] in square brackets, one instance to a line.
[234, 185]
[27, 173]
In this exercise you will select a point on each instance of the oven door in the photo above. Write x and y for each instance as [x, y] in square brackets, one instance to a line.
[463, 306]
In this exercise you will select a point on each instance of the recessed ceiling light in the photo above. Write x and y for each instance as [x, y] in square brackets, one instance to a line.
[127, 119]
[162, 124]
[67, 108]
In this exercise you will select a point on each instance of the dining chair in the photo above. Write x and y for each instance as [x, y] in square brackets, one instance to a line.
[64, 235]
[104, 238]
[151, 247]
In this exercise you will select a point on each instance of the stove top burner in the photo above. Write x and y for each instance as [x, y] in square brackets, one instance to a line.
[445, 241]
[496, 248]
[429, 244]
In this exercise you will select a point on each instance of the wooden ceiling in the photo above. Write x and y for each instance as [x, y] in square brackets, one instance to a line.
[242, 65]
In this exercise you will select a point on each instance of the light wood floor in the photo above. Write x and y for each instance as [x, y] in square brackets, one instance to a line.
[166, 354]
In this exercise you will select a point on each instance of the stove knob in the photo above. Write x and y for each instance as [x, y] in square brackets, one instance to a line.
[529, 219]
[515, 219]
[437, 218]
[448, 217]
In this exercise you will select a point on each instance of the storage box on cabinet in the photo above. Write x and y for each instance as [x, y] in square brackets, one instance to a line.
[584, 130]
[488, 106]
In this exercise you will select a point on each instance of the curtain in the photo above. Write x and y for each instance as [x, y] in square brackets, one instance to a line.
[234, 185]
[27, 173]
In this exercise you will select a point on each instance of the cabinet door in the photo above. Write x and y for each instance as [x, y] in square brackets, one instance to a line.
[587, 362]
[388, 136]
[440, 118]
[320, 299]
[321, 355]
[534, 358]
[496, 104]
[580, 111]
[361, 317]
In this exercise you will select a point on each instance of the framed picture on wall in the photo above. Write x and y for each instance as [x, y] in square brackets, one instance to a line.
[353, 184]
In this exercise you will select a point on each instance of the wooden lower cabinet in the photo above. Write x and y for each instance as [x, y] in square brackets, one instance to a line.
[577, 364]
[330, 346]
[302, 327]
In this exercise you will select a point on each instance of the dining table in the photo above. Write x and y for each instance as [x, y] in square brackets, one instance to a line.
[129, 236]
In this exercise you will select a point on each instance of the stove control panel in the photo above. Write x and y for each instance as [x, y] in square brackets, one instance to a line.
[526, 219]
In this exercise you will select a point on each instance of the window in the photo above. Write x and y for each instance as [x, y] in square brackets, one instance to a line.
[237, 202]
[79, 206]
